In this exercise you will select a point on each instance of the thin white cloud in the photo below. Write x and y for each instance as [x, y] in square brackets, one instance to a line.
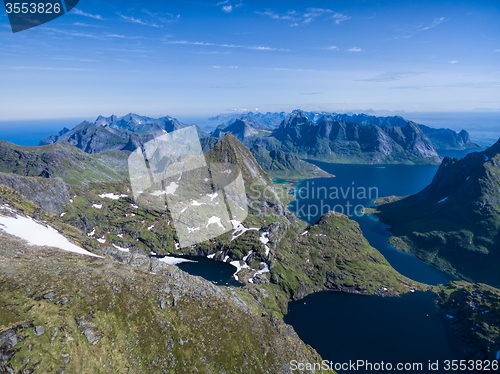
[149, 13]
[434, 23]
[99, 36]
[391, 76]
[216, 67]
[161, 17]
[261, 48]
[453, 62]
[43, 68]
[339, 17]
[213, 53]
[497, 50]
[80, 13]
[227, 7]
[256, 48]
[83, 24]
[305, 18]
[331, 48]
[292, 15]
[355, 49]
[75, 59]
[138, 21]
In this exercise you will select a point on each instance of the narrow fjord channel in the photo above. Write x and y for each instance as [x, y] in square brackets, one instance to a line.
[346, 327]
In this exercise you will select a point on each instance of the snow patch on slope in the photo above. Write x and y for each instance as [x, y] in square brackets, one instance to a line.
[36, 234]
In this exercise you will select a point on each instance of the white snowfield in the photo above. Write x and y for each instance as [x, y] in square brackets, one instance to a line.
[36, 234]
[239, 229]
[174, 260]
[111, 196]
[262, 271]
[264, 240]
[120, 248]
[212, 196]
[216, 220]
[195, 203]
[238, 267]
[169, 190]
[97, 206]
[248, 255]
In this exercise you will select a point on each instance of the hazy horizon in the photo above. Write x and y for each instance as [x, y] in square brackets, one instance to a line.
[483, 126]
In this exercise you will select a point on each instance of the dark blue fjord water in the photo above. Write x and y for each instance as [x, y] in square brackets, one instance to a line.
[344, 327]
[405, 330]
[368, 182]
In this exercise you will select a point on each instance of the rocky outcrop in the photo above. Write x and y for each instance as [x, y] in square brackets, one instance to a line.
[116, 133]
[239, 128]
[473, 311]
[454, 222]
[64, 161]
[283, 165]
[448, 139]
[338, 141]
[49, 194]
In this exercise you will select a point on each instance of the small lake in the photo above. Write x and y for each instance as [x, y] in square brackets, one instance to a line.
[218, 272]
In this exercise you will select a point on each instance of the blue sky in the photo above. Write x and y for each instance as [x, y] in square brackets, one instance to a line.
[198, 58]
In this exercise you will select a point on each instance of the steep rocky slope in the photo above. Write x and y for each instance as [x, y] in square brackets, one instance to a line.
[282, 165]
[448, 139]
[440, 138]
[337, 141]
[48, 193]
[454, 222]
[64, 312]
[64, 161]
[239, 128]
[473, 311]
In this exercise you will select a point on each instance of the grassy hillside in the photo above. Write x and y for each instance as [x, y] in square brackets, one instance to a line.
[474, 311]
[62, 160]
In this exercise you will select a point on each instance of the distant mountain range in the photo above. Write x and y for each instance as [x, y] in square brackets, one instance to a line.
[116, 133]
[440, 138]
[454, 223]
[332, 140]
[331, 137]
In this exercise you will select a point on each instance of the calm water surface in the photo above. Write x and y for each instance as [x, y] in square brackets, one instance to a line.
[343, 327]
